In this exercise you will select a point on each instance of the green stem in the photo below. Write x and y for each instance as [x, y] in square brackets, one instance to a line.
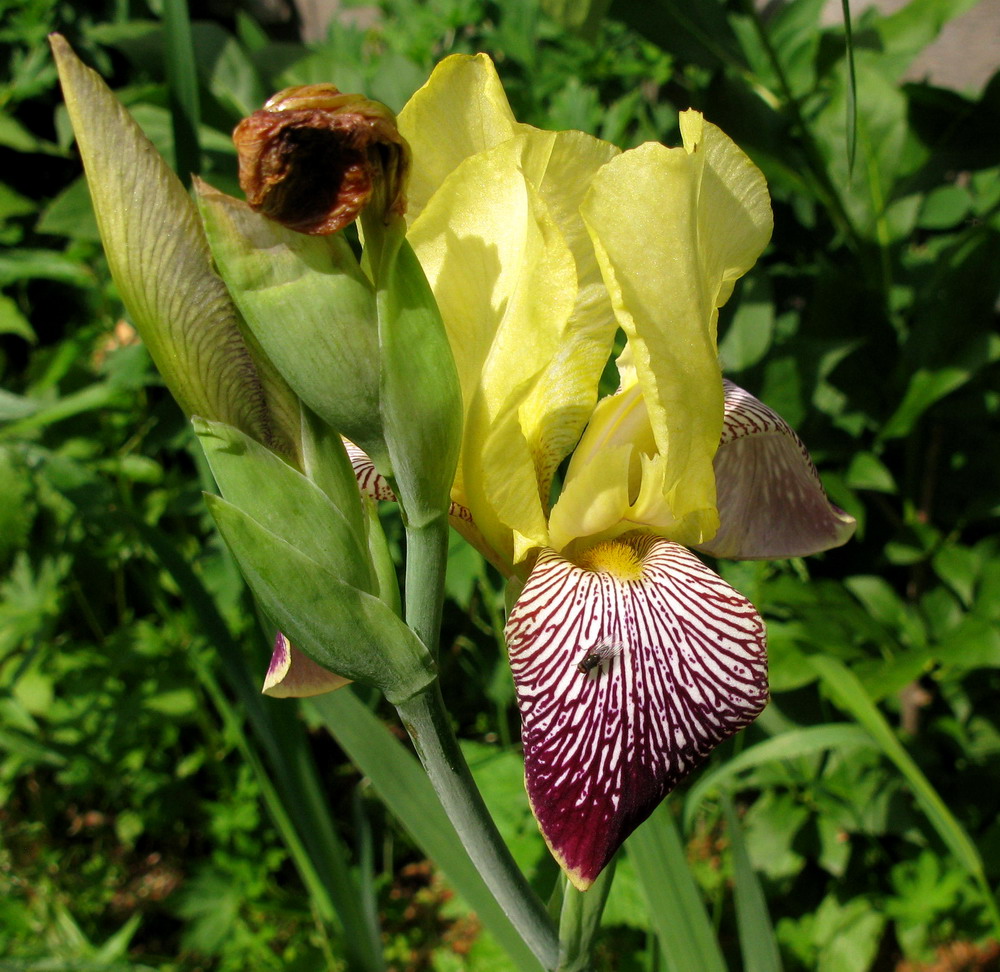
[423, 589]
[426, 720]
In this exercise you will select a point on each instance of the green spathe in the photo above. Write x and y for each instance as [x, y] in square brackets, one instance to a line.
[286, 503]
[340, 627]
[159, 258]
[326, 463]
[421, 398]
[312, 309]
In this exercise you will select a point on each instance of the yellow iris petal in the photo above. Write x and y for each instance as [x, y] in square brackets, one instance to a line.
[529, 320]
[673, 229]
[461, 110]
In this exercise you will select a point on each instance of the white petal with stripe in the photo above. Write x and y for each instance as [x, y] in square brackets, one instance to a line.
[687, 669]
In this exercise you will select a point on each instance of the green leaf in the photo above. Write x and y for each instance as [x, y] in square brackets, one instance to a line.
[340, 627]
[70, 214]
[30, 264]
[404, 788]
[926, 387]
[283, 501]
[12, 203]
[583, 16]
[867, 471]
[695, 32]
[182, 87]
[944, 207]
[751, 331]
[757, 942]
[911, 28]
[849, 694]
[796, 744]
[12, 321]
[675, 908]
[160, 261]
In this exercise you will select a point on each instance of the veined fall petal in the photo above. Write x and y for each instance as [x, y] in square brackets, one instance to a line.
[771, 501]
[681, 666]
[313, 158]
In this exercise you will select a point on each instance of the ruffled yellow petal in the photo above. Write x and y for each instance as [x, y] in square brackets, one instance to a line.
[514, 273]
[673, 229]
[616, 482]
[461, 110]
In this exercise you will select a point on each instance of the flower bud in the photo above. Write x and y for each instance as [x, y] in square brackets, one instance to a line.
[312, 159]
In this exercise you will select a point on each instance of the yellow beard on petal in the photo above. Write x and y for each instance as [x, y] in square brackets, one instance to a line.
[615, 557]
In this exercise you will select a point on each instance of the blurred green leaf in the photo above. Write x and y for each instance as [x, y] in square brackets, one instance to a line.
[849, 695]
[795, 744]
[676, 912]
[406, 791]
[757, 943]
[925, 388]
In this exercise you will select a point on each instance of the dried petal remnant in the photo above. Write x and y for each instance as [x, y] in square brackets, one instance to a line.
[313, 158]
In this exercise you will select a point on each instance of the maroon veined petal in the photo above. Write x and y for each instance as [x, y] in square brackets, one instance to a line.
[770, 498]
[374, 485]
[293, 674]
[629, 670]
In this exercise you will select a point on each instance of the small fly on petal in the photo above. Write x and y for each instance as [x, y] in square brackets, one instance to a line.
[600, 653]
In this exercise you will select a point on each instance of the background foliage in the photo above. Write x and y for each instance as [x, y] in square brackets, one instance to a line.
[143, 822]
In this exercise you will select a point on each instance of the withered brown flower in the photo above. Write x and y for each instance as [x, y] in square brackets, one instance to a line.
[313, 158]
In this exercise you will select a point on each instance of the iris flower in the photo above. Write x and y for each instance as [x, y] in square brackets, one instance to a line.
[632, 660]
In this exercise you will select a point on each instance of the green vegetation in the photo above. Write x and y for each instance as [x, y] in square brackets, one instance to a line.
[146, 818]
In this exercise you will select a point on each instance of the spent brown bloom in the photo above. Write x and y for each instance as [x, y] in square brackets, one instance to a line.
[313, 158]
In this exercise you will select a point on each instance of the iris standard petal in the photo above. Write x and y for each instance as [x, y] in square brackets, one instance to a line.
[460, 111]
[673, 229]
[293, 674]
[680, 666]
[505, 281]
[771, 501]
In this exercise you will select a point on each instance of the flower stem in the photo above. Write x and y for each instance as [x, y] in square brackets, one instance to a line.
[423, 588]
[427, 722]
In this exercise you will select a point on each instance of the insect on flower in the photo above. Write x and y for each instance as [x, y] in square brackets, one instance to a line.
[600, 653]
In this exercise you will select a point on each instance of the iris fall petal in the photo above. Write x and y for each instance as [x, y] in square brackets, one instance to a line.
[293, 674]
[771, 501]
[683, 667]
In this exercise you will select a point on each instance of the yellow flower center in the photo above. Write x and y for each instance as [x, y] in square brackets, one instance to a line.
[613, 557]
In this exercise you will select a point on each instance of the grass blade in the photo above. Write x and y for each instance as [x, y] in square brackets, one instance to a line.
[319, 854]
[852, 88]
[789, 745]
[406, 791]
[676, 910]
[182, 88]
[757, 941]
[849, 694]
